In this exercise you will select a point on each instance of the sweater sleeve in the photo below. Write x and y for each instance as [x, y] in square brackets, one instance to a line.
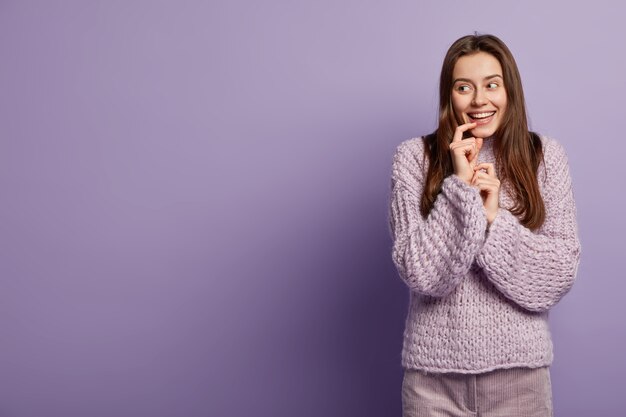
[536, 269]
[432, 254]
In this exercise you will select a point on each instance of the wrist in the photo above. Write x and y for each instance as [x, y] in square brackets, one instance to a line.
[468, 182]
[491, 217]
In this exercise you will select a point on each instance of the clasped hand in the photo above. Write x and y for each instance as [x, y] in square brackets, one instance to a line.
[482, 176]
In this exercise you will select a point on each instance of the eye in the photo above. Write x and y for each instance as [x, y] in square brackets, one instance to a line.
[492, 85]
[463, 88]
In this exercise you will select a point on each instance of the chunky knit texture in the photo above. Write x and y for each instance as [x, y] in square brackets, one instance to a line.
[480, 296]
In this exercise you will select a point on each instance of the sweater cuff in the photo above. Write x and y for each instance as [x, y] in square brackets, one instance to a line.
[460, 193]
[502, 223]
[502, 233]
[468, 204]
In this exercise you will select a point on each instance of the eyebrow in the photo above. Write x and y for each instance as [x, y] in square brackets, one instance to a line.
[486, 78]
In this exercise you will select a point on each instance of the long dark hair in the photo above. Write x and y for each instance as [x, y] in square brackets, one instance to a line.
[518, 151]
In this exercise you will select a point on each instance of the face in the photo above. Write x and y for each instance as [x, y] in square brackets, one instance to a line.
[478, 93]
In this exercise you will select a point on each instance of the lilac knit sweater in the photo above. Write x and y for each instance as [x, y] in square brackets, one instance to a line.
[479, 296]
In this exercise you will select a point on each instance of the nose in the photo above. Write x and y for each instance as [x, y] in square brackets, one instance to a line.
[479, 98]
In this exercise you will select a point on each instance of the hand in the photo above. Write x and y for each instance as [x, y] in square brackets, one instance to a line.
[489, 187]
[465, 152]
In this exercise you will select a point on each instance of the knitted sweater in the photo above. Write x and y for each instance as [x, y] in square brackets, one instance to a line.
[480, 296]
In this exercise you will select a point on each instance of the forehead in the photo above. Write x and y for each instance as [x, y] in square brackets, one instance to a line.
[476, 66]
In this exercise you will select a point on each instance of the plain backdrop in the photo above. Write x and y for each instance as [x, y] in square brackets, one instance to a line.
[194, 196]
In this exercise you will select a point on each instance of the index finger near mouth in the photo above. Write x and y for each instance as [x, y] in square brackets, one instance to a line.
[458, 132]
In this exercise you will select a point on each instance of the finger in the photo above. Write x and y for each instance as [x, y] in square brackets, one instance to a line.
[485, 188]
[484, 183]
[474, 156]
[479, 144]
[471, 153]
[491, 170]
[487, 184]
[464, 142]
[464, 147]
[473, 181]
[484, 176]
[458, 133]
[489, 167]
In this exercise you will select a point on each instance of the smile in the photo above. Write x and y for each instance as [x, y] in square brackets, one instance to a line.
[478, 116]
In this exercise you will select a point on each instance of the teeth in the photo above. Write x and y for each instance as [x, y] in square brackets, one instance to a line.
[481, 115]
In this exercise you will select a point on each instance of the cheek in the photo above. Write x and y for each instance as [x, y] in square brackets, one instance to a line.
[501, 100]
[459, 103]
[502, 108]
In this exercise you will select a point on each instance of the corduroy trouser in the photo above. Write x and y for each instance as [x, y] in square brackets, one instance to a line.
[514, 392]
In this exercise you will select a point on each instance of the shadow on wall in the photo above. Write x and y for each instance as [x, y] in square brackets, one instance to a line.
[345, 335]
[320, 308]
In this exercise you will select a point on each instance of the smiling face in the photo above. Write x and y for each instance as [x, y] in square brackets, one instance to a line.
[478, 93]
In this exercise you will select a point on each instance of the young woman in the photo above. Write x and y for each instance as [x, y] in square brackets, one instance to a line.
[484, 232]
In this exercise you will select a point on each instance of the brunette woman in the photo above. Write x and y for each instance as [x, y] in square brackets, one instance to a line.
[484, 230]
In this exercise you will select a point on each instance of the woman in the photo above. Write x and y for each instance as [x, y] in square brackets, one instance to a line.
[484, 232]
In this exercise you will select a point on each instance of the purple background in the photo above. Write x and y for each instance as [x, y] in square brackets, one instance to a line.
[194, 199]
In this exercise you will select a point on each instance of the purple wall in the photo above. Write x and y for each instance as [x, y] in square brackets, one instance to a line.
[194, 199]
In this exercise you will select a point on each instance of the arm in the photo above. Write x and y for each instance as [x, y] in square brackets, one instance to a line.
[432, 255]
[536, 269]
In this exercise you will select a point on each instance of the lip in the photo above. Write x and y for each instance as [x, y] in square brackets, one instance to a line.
[480, 122]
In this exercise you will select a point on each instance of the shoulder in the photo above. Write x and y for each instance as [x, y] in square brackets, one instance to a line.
[555, 164]
[410, 147]
[552, 148]
[553, 151]
[410, 152]
[408, 159]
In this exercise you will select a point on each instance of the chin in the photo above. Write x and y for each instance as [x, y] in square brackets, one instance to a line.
[483, 132]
